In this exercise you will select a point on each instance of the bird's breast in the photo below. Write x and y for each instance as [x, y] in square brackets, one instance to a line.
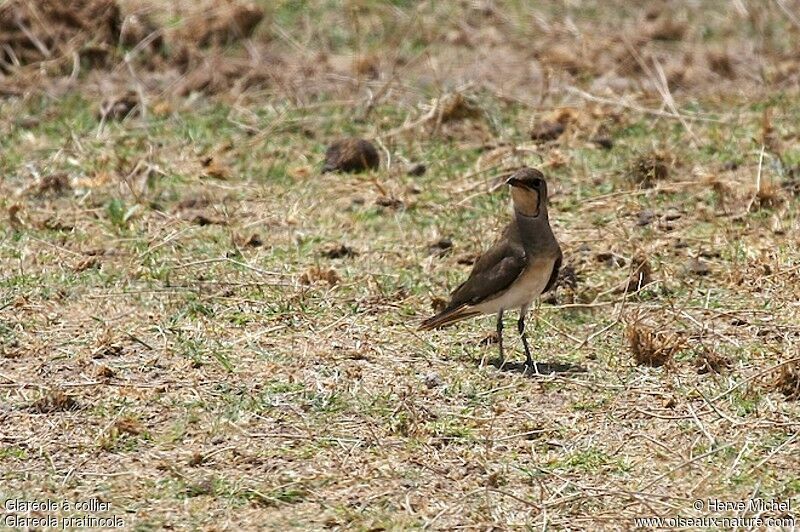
[528, 286]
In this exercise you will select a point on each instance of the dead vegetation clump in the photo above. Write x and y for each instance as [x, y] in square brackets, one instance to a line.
[787, 380]
[653, 346]
[351, 155]
[650, 167]
[65, 36]
[55, 184]
[719, 61]
[456, 106]
[317, 274]
[338, 251]
[768, 195]
[54, 401]
[641, 276]
[33, 32]
[709, 361]
[214, 73]
[119, 106]
[367, 66]
[223, 24]
[546, 131]
[564, 58]
[136, 28]
[667, 28]
[553, 126]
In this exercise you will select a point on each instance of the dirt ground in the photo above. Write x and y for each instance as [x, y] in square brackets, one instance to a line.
[208, 319]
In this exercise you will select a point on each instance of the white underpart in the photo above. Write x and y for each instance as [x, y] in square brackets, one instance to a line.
[526, 288]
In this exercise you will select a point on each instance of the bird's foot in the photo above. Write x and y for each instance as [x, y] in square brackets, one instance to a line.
[531, 366]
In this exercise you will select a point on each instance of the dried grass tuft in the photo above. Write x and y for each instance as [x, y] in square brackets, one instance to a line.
[317, 274]
[650, 167]
[54, 401]
[787, 380]
[47, 30]
[351, 155]
[456, 106]
[641, 275]
[709, 361]
[223, 26]
[651, 347]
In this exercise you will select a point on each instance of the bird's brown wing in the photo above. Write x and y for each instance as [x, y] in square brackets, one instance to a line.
[554, 276]
[495, 271]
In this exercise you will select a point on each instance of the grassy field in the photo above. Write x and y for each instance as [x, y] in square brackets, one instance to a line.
[201, 329]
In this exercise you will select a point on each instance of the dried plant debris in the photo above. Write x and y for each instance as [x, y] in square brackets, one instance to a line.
[223, 23]
[768, 195]
[317, 274]
[54, 401]
[127, 425]
[438, 304]
[351, 155]
[214, 73]
[546, 131]
[118, 107]
[202, 220]
[87, 263]
[641, 276]
[651, 347]
[490, 339]
[138, 29]
[441, 247]
[338, 251]
[56, 184]
[667, 28]
[709, 361]
[604, 142]
[389, 202]
[650, 167]
[416, 170]
[698, 266]
[787, 380]
[214, 168]
[456, 106]
[104, 372]
[254, 241]
[367, 66]
[33, 32]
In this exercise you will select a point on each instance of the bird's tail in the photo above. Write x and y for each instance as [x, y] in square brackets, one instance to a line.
[448, 317]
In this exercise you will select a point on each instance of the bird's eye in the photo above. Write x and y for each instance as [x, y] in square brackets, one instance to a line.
[537, 182]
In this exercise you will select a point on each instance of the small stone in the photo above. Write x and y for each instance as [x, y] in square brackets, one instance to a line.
[645, 218]
[432, 380]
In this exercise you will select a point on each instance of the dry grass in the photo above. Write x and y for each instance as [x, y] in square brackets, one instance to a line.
[652, 348]
[200, 327]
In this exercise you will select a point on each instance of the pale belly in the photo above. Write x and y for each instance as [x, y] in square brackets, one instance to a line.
[525, 289]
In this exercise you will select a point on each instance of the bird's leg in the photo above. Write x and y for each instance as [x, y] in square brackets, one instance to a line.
[521, 328]
[500, 337]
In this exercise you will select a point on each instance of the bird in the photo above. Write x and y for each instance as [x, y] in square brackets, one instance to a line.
[522, 264]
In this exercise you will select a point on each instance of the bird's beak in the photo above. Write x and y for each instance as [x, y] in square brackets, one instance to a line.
[513, 182]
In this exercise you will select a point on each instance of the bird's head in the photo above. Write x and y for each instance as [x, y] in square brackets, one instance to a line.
[528, 192]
